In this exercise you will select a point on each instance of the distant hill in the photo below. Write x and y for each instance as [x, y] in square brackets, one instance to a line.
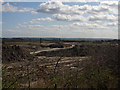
[89, 39]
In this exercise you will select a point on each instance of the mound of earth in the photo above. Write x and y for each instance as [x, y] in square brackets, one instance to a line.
[14, 53]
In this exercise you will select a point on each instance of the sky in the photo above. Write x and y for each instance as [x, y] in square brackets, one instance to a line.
[60, 19]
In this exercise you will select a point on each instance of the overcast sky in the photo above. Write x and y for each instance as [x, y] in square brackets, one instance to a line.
[98, 19]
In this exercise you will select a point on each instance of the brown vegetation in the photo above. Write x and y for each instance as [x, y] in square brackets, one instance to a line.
[93, 65]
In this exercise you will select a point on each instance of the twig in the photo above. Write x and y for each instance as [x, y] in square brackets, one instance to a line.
[28, 77]
[57, 64]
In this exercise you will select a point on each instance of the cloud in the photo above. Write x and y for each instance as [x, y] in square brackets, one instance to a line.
[86, 25]
[104, 18]
[34, 23]
[63, 12]
[37, 20]
[111, 5]
[76, 0]
[97, 10]
[82, 20]
[33, 27]
[58, 8]
[26, 10]
[10, 8]
[43, 19]
[112, 24]
[34, 12]
[57, 0]
[29, 26]
[85, 16]
[63, 17]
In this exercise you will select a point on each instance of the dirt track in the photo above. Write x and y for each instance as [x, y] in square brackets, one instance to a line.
[53, 49]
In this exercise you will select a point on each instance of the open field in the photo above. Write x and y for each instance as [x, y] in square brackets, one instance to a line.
[59, 63]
